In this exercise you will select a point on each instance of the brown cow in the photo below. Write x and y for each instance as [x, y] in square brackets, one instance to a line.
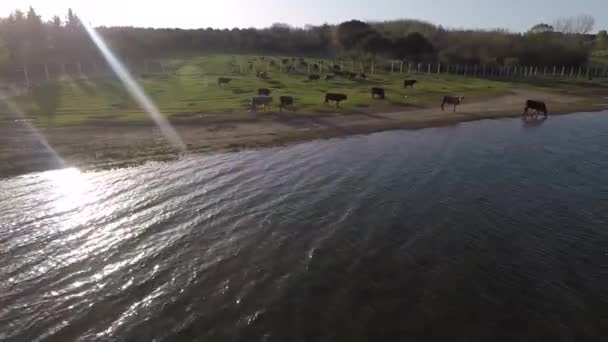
[260, 100]
[286, 101]
[314, 78]
[409, 83]
[377, 91]
[335, 97]
[538, 106]
[223, 80]
[452, 100]
[264, 92]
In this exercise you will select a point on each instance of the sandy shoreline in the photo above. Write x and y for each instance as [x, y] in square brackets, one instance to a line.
[102, 146]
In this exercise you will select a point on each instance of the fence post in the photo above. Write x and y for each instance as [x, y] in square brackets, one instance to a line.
[475, 70]
[447, 70]
[438, 68]
[46, 72]
[429, 69]
[587, 71]
[465, 70]
[372, 69]
[392, 67]
[554, 69]
[79, 69]
[409, 68]
[26, 76]
[401, 67]
[308, 65]
[579, 72]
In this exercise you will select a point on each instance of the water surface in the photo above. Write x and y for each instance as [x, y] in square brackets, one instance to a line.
[490, 230]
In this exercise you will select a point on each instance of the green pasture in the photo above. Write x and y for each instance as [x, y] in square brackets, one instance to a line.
[190, 89]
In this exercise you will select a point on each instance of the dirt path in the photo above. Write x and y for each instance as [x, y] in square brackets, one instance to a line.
[103, 146]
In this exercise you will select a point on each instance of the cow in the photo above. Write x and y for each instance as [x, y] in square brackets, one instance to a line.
[377, 91]
[260, 101]
[452, 100]
[262, 74]
[335, 97]
[538, 106]
[264, 92]
[313, 78]
[329, 77]
[223, 80]
[286, 101]
[362, 75]
[409, 83]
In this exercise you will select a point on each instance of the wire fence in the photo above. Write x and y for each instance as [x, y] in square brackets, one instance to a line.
[21, 78]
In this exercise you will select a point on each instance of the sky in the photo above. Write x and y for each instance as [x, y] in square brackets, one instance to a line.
[514, 15]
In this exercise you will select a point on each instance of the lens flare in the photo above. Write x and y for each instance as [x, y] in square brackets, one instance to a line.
[135, 89]
[20, 116]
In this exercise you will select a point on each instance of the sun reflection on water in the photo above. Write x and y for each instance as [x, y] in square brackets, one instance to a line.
[71, 189]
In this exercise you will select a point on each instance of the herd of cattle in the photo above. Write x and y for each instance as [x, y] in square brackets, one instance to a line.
[264, 98]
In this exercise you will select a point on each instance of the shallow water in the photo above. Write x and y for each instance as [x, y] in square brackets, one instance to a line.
[490, 230]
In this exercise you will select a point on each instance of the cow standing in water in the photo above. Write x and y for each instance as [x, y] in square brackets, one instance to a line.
[452, 100]
[538, 106]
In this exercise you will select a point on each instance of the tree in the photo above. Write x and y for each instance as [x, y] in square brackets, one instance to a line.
[581, 24]
[541, 28]
[601, 40]
[413, 46]
[350, 33]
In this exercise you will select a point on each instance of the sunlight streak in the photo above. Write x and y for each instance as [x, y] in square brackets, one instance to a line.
[14, 110]
[135, 89]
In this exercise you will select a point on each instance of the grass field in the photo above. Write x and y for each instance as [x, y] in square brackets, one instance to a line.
[191, 90]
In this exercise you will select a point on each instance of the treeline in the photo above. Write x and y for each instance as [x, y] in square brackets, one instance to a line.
[26, 38]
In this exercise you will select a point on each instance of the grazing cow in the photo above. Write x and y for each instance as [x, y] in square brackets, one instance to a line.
[538, 106]
[262, 74]
[264, 91]
[223, 80]
[409, 83]
[260, 101]
[362, 75]
[335, 97]
[377, 91]
[314, 78]
[329, 77]
[452, 100]
[286, 101]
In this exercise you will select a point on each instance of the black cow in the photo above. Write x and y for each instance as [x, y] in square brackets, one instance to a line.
[329, 77]
[262, 74]
[286, 101]
[377, 91]
[452, 100]
[264, 92]
[409, 83]
[538, 106]
[335, 97]
[223, 80]
[314, 78]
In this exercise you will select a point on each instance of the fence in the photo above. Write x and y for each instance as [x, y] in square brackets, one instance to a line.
[27, 75]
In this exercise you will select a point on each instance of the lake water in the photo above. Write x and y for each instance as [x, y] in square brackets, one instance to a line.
[485, 231]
